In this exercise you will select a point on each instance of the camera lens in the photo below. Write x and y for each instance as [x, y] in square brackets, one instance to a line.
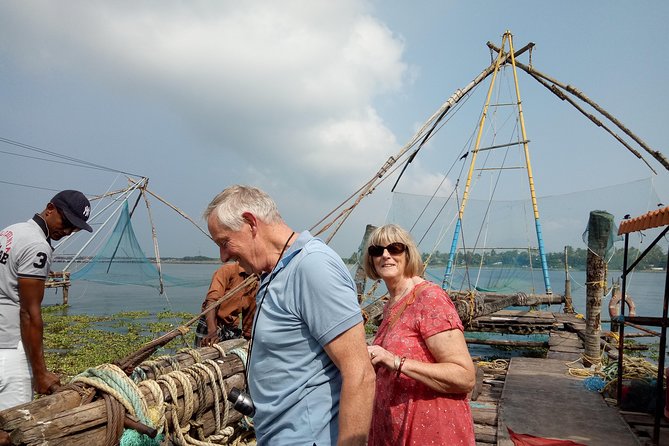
[241, 402]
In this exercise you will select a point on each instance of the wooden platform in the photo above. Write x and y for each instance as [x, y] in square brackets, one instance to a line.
[516, 322]
[643, 424]
[540, 398]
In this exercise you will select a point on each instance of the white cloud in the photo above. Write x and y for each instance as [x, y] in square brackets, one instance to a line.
[291, 83]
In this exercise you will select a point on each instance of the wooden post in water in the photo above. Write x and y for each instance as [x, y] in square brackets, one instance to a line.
[568, 305]
[59, 279]
[360, 275]
[600, 226]
[614, 325]
[66, 287]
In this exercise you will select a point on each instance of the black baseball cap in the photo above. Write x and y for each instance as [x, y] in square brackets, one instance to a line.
[75, 206]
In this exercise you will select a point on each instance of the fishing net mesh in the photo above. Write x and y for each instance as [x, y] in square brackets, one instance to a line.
[121, 261]
[507, 226]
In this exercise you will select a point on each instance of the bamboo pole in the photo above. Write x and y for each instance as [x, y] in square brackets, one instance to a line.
[579, 94]
[424, 132]
[132, 360]
[178, 211]
[154, 236]
[659, 157]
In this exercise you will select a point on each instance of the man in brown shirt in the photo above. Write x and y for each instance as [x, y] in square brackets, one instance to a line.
[234, 317]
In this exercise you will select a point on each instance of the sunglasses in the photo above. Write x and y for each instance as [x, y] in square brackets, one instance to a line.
[393, 249]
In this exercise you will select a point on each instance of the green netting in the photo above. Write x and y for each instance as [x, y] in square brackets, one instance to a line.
[121, 261]
[601, 234]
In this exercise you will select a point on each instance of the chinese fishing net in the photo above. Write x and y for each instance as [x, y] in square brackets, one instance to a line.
[121, 261]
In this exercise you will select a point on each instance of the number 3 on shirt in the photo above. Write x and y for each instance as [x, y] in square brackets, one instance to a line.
[41, 262]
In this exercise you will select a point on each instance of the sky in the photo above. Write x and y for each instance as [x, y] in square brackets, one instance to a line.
[304, 99]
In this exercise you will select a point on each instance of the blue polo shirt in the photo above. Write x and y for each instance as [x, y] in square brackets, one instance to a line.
[309, 300]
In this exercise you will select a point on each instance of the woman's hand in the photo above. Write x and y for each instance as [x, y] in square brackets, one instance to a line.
[382, 357]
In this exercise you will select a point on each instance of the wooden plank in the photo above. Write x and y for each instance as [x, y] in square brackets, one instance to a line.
[574, 341]
[537, 389]
[525, 313]
[647, 433]
[485, 433]
[485, 416]
[563, 356]
[644, 419]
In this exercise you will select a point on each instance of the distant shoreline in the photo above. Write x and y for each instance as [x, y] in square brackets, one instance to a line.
[212, 261]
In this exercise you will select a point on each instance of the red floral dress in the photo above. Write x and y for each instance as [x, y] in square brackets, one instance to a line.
[407, 412]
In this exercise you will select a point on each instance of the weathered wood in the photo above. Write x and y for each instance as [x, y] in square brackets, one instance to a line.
[522, 299]
[643, 419]
[485, 416]
[59, 279]
[62, 424]
[508, 343]
[515, 322]
[69, 398]
[485, 433]
[599, 228]
[93, 415]
[133, 360]
[40, 408]
[360, 275]
[63, 415]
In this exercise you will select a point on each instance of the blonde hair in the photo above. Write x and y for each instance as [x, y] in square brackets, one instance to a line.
[385, 235]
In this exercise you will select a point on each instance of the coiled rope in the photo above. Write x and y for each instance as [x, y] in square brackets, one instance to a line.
[124, 394]
[496, 364]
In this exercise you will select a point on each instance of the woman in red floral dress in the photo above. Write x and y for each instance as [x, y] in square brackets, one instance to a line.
[423, 368]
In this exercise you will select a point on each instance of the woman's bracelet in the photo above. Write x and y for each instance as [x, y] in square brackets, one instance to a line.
[396, 364]
[399, 365]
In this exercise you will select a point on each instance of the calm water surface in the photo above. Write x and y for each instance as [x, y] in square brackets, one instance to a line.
[647, 289]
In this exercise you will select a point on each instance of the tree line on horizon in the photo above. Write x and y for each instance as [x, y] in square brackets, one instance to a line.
[576, 258]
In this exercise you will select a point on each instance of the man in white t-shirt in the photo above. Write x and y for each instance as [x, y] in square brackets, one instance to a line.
[25, 259]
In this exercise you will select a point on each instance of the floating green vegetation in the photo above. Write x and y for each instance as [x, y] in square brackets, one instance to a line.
[643, 350]
[73, 343]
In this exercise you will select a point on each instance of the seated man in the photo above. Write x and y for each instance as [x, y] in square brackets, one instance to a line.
[234, 317]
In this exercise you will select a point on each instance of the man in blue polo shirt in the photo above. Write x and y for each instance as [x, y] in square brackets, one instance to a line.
[25, 259]
[310, 376]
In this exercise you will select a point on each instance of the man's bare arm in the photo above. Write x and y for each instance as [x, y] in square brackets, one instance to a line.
[349, 353]
[31, 293]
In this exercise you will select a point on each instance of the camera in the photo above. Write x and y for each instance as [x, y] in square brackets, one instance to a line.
[241, 402]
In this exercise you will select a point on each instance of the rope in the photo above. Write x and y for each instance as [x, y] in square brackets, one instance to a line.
[633, 368]
[156, 412]
[182, 419]
[197, 357]
[120, 392]
[112, 380]
[242, 353]
[210, 384]
[497, 364]
[115, 416]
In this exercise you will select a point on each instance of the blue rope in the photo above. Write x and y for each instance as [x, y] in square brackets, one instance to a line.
[594, 383]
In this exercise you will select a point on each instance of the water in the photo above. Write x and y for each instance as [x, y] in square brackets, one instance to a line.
[646, 288]
[102, 299]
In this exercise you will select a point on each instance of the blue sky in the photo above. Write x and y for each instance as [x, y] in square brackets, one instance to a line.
[305, 99]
